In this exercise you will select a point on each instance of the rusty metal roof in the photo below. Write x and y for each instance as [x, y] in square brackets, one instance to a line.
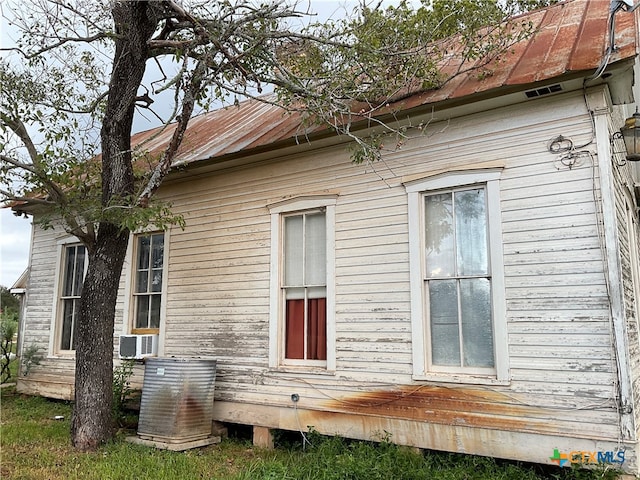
[249, 125]
[570, 37]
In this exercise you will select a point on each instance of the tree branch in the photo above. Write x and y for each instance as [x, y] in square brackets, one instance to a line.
[58, 197]
[191, 92]
[59, 43]
[89, 109]
[9, 196]
[18, 164]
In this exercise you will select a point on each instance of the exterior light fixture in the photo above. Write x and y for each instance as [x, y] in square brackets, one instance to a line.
[630, 133]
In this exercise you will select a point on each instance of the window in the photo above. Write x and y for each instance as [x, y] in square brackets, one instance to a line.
[148, 279]
[457, 278]
[304, 286]
[73, 276]
[457, 291]
[634, 256]
[302, 305]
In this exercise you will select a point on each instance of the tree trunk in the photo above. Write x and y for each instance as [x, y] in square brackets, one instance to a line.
[135, 23]
[92, 415]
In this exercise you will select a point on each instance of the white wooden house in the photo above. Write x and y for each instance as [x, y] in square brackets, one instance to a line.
[476, 291]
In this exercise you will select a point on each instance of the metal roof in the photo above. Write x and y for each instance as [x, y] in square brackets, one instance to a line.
[250, 124]
[570, 37]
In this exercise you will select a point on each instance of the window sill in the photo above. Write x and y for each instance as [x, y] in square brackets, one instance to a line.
[70, 355]
[462, 379]
[290, 369]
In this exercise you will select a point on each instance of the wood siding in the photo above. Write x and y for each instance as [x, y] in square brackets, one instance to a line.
[557, 306]
[625, 200]
[562, 365]
[54, 376]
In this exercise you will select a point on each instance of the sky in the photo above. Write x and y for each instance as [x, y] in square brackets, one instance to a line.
[15, 232]
[15, 235]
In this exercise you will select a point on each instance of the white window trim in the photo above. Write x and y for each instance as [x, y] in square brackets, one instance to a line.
[634, 251]
[129, 267]
[276, 324]
[489, 177]
[54, 333]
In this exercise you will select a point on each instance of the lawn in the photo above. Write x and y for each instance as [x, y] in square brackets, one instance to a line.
[34, 445]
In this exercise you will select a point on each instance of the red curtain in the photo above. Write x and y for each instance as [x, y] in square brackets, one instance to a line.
[316, 332]
[295, 329]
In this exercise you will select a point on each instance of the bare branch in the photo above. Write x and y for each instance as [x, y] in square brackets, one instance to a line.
[191, 92]
[17, 126]
[37, 168]
[58, 44]
[91, 108]
[18, 164]
[9, 196]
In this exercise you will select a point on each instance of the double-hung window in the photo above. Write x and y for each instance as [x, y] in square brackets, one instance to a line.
[302, 305]
[148, 281]
[633, 228]
[75, 262]
[305, 286]
[457, 289]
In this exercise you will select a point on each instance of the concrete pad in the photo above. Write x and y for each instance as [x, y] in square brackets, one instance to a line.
[175, 447]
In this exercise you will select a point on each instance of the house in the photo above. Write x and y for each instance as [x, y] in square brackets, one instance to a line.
[475, 291]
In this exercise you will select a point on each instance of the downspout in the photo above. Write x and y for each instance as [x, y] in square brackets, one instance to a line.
[599, 104]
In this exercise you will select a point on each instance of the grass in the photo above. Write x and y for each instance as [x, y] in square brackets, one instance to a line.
[34, 445]
[13, 368]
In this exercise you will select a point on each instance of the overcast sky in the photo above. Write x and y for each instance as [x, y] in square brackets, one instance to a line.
[15, 235]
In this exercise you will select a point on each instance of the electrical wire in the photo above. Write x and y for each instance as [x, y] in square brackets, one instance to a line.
[616, 6]
[305, 440]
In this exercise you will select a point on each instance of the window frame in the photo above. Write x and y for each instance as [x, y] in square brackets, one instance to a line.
[277, 322]
[135, 295]
[302, 285]
[129, 314]
[633, 228]
[416, 192]
[57, 320]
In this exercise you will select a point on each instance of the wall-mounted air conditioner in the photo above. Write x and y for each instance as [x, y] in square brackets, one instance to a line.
[138, 346]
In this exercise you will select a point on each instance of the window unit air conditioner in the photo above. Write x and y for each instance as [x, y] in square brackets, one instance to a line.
[137, 347]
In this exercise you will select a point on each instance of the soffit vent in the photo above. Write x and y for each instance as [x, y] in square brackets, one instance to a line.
[540, 92]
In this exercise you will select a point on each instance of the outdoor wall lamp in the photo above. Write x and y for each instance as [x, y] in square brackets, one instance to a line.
[630, 133]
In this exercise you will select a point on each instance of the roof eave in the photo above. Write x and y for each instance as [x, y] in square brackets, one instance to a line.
[410, 107]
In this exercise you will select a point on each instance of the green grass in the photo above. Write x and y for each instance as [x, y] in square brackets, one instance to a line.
[13, 369]
[36, 446]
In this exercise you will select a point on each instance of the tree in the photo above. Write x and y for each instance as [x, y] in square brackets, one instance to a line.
[9, 303]
[57, 111]
[9, 311]
[8, 330]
